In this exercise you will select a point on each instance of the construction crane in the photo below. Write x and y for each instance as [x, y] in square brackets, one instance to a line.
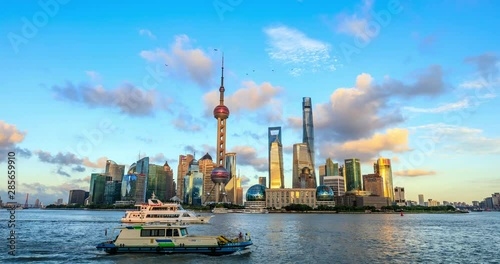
[26, 203]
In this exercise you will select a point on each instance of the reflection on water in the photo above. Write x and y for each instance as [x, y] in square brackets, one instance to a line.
[57, 236]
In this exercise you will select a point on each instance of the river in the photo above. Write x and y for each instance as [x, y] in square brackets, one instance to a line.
[70, 236]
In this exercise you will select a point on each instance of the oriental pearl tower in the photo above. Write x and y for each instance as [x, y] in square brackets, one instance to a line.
[220, 176]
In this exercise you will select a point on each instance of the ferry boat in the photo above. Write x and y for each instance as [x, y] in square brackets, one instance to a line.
[255, 211]
[156, 211]
[171, 238]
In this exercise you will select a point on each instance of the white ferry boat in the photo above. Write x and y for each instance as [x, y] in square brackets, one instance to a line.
[171, 238]
[156, 211]
[255, 211]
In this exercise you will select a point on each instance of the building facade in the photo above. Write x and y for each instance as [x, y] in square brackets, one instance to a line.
[383, 168]
[262, 181]
[399, 195]
[374, 183]
[182, 169]
[308, 133]
[193, 185]
[300, 160]
[275, 159]
[75, 197]
[114, 170]
[279, 198]
[97, 187]
[352, 175]
[336, 183]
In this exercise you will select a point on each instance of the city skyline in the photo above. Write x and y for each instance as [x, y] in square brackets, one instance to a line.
[412, 82]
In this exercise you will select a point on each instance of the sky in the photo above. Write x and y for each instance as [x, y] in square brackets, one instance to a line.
[414, 81]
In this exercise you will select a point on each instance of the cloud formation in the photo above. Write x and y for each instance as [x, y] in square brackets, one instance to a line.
[247, 156]
[414, 173]
[367, 149]
[69, 159]
[464, 103]
[183, 61]
[186, 122]
[356, 24]
[129, 99]
[486, 65]
[357, 112]
[147, 32]
[10, 136]
[292, 47]
[250, 97]
[461, 140]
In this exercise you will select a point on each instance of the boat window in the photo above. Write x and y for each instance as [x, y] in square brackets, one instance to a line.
[169, 232]
[185, 215]
[152, 232]
[176, 232]
[183, 231]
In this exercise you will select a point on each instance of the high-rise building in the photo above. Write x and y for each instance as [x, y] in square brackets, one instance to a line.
[421, 199]
[193, 184]
[220, 176]
[157, 182]
[37, 203]
[399, 195]
[206, 167]
[170, 186]
[308, 133]
[230, 188]
[142, 172]
[383, 168]
[275, 158]
[114, 170]
[336, 183]
[332, 169]
[374, 184]
[301, 159]
[112, 192]
[352, 175]
[322, 173]
[262, 181]
[182, 169]
[97, 187]
[75, 197]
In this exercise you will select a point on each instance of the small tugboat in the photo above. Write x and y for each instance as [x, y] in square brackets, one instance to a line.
[156, 211]
[171, 238]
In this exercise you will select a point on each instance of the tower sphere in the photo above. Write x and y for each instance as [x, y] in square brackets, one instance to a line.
[221, 111]
[220, 175]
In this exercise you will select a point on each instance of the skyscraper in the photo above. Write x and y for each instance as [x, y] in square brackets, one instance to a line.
[276, 174]
[97, 187]
[193, 184]
[114, 170]
[230, 187]
[301, 159]
[75, 197]
[142, 171]
[383, 168]
[206, 167]
[220, 176]
[336, 183]
[308, 133]
[421, 199]
[352, 175]
[373, 183]
[332, 169]
[170, 190]
[182, 169]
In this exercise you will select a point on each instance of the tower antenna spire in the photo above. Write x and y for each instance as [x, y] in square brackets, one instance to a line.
[221, 89]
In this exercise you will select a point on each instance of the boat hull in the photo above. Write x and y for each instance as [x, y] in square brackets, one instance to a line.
[225, 249]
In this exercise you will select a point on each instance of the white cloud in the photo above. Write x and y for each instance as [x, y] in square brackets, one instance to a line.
[250, 97]
[183, 62]
[292, 47]
[147, 32]
[357, 23]
[465, 103]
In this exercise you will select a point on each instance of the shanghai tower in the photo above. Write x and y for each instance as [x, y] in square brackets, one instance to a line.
[308, 132]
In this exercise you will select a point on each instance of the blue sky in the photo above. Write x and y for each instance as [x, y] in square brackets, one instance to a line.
[417, 82]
